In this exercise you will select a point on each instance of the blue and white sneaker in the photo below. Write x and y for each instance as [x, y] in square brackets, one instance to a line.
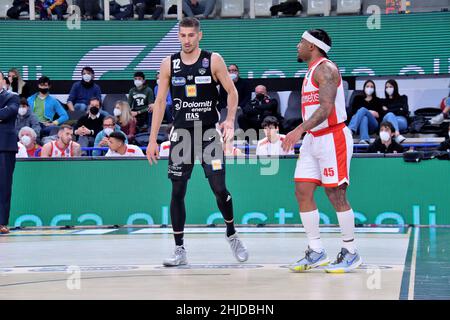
[311, 260]
[345, 262]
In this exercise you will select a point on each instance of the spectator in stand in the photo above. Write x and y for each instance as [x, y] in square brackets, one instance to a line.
[140, 98]
[271, 144]
[101, 140]
[28, 137]
[445, 145]
[89, 125]
[385, 143]
[395, 106]
[82, 91]
[257, 109]
[168, 114]
[26, 118]
[45, 107]
[125, 120]
[153, 7]
[90, 9]
[19, 6]
[367, 111]
[119, 148]
[242, 86]
[18, 85]
[289, 7]
[192, 8]
[50, 7]
[64, 147]
[445, 107]
[230, 150]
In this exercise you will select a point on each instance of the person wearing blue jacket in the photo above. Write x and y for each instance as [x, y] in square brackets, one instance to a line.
[45, 107]
[9, 106]
[82, 91]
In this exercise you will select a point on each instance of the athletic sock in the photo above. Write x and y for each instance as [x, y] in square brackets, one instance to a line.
[179, 239]
[230, 228]
[310, 221]
[347, 223]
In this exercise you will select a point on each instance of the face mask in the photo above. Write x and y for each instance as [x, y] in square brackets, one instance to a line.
[157, 82]
[43, 90]
[259, 96]
[384, 136]
[369, 91]
[138, 83]
[22, 111]
[233, 76]
[108, 131]
[94, 110]
[25, 140]
[390, 91]
[87, 77]
[117, 112]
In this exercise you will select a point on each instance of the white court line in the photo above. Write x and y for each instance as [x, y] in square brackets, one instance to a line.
[262, 230]
[412, 275]
[94, 231]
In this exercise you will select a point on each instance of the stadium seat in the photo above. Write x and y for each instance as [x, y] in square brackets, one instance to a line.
[232, 9]
[348, 6]
[293, 110]
[167, 5]
[262, 8]
[318, 7]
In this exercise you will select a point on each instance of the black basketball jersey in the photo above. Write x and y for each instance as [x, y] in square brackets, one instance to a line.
[194, 92]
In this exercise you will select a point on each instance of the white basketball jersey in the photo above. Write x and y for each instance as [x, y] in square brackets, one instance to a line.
[310, 100]
[58, 153]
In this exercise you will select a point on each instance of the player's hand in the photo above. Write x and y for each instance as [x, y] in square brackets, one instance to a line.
[152, 152]
[292, 138]
[227, 128]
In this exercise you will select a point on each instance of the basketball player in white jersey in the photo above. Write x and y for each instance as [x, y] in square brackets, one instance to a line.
[324, 156]
[64, 147]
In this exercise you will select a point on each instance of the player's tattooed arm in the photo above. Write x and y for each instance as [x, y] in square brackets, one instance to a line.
[327, 76]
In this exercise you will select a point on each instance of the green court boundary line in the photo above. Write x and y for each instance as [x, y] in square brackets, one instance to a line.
[404, 289]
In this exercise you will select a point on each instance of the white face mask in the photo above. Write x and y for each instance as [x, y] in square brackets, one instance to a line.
[138, 83]
[368, 91]
[157, 82]
[233, 76]
[108, 131]
[117, 112]
[390, 91]
[22, 111]
[87, 77]
[384, 136]
[25, 140]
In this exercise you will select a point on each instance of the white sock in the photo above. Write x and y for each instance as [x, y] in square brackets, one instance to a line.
[310, 221]
[347, 223]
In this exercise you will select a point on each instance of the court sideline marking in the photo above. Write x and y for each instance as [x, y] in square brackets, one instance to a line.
[412, 275]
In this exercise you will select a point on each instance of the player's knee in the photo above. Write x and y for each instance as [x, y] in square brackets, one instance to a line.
[303, 195]
[221, 193]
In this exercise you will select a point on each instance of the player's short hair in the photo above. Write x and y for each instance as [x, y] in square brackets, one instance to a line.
[270, 121]
[323, 36]
[190, 22]
[387, 124]
[118, 135]
[139, 74]
[64, 127]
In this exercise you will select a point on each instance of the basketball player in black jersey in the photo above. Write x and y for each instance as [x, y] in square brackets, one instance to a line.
[192, 76]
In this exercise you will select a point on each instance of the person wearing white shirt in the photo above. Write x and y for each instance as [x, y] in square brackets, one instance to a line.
[271, 144]
[22, 152]
[118, 147]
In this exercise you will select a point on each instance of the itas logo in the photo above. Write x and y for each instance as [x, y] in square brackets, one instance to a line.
[310, 98]
[192, 116]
